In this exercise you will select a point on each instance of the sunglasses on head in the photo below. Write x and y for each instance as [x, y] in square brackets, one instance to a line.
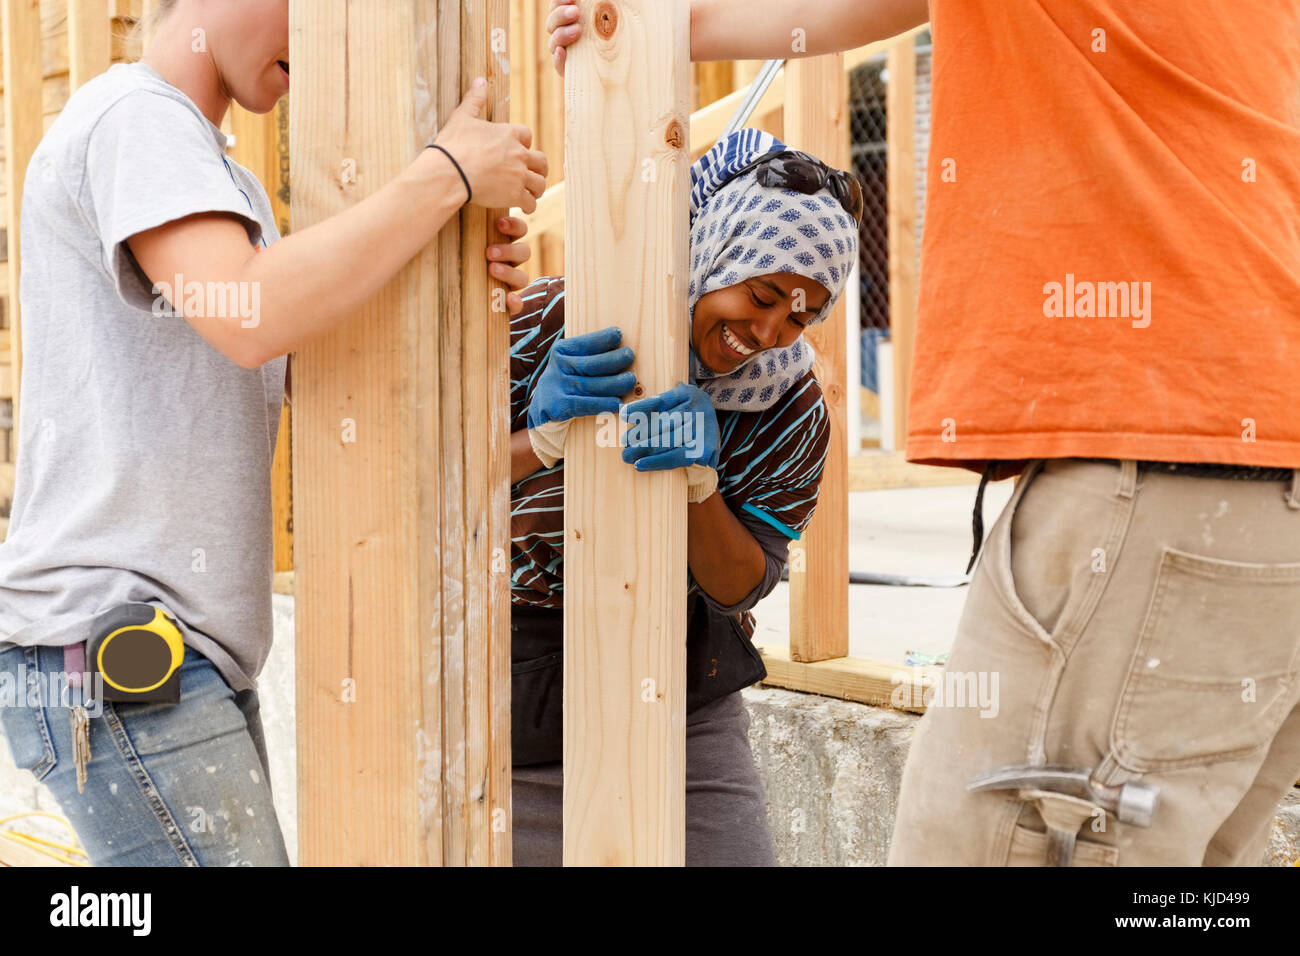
[791, 169]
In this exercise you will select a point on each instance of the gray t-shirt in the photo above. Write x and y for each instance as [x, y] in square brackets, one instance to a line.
[144, 465]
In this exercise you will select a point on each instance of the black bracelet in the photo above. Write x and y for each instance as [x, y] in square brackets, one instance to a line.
[468, 192]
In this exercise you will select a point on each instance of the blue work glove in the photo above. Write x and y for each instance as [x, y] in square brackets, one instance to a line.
[584, 375]
[675, 429]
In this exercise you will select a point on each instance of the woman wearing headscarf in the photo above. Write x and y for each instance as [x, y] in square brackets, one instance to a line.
[773, 236]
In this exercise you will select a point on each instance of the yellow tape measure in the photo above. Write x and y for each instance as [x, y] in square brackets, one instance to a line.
[137, 650]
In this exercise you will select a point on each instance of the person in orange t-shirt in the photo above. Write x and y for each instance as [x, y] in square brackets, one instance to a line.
[1110, 296]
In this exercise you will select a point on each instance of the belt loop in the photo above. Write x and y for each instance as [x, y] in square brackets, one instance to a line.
[1128, 471]
[1293, 493]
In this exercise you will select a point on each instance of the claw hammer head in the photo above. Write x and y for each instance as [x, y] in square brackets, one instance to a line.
[1132, 802]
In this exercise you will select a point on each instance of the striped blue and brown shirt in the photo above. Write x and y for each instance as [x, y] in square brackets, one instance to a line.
[769, 467]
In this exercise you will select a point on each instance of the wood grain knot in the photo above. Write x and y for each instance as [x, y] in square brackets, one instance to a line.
[676, 135]
[605, 19]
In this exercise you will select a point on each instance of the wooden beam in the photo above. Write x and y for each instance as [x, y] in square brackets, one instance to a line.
[852, 678]
[900, 111]
[401, 479]
[876, 471]
[816, 121]
[627, 89]
[262, 145]
[24, 127]
[89, 27]
[15, 851]
[713, 80]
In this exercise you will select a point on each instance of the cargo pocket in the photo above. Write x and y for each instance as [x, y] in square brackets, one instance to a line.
[1029, 848]
[1215, 666]
[537, 710]
[27, 728]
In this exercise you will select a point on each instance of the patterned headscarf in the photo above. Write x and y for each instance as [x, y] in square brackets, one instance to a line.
[739, 230]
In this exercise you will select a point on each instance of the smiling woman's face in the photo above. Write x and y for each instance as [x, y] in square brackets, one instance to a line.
[764, 312]
[252, 51]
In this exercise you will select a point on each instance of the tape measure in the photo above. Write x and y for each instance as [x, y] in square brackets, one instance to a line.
[137, 650]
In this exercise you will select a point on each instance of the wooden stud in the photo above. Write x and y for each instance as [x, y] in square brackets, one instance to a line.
[23, 130]
[262, 145]
[625, 581]
[900, 110]
[401, 480]
[852, 678]
[713, 80]
[816, 107]
[88, 40]
[877, 471]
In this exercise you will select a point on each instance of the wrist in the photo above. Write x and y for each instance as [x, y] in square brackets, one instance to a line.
[455, 164]
[439, 185]
[548, 441]
[701, 483]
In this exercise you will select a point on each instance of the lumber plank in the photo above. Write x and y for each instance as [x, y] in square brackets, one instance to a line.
[851, 678]
[625, 581]
[89, 32]
[261, 143]
[900, 111]
[398, 773]
[485, 467]
[816, 121]
[714, 79]
[17, 853]
[884, 471]
[24, 127]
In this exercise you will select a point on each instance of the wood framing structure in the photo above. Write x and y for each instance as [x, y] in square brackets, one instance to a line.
[625, 581]
[89, 46]
[261, 143]
[402, 480]
[816, 101]
[23, 131]
[903, 256]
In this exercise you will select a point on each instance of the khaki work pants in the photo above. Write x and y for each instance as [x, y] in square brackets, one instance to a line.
[1143, 625]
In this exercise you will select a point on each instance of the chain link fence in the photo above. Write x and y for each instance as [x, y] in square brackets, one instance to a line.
[870, 156]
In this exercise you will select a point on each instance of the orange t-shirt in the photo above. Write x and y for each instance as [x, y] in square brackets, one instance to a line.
[1111, 257]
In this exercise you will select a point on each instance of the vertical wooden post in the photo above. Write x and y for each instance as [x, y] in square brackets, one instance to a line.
[262, 145]
[88, 40]
[24, 127]
[900, 110]
[816, 121]
[401, 478]
[626, 95]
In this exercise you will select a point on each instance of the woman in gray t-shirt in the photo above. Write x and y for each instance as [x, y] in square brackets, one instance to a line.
[147, 434]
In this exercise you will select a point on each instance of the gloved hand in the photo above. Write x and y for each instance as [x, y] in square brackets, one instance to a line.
[676, 429]
[584, 375]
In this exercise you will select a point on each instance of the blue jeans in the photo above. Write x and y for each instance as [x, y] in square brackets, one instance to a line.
[167, 785]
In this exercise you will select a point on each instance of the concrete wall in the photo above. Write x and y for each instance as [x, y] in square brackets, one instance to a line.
[831, 768]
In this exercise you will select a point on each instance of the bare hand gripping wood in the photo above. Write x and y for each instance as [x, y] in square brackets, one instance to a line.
[401, 477]
[627, 169]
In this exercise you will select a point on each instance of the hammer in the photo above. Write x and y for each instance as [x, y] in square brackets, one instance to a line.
[1133, 803]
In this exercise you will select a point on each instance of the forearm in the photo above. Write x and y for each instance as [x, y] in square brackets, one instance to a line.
[523, 460]
[311, 280]
[769, 25]
[725, 559]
